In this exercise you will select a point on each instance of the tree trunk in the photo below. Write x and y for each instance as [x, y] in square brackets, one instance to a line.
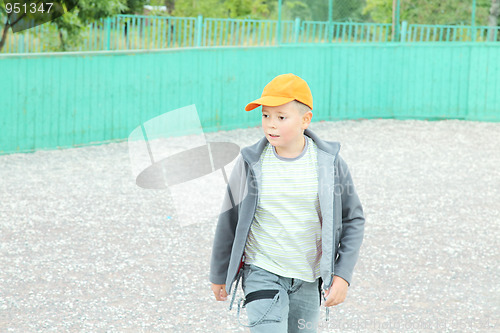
[6, 28]
[4, 34]
[61, 38]
[170, 4]
[493, 19]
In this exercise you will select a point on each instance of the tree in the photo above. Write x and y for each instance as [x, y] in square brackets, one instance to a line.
[428, 11]
[18, 19]
[493, 19]
[6, 26]
[193, 8]
[170, 4]
[239, 9]
[135, 6]
[71, 24]
[293, 9]
[342, 10]
[380, 11]
[86, 12]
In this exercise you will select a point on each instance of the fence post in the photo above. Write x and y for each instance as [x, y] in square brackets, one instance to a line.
[297, 29]
[20, 43]
[330, 18]
[473, 20]
[199, 30]
[278, 28]
[395, 20]
[404, 26]
[108, 30]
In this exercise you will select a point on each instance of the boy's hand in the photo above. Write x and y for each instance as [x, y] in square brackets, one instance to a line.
[219, 291]
[337, 292]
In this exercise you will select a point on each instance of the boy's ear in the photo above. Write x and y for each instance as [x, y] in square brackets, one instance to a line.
[306, 118]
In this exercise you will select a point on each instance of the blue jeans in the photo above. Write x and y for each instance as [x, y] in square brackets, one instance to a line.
[279, 304]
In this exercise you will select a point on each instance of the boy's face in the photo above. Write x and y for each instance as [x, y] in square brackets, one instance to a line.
[287, 123]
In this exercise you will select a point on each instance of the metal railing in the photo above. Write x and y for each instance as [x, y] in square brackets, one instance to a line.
[449, 33]
[132, 32]
[323, 32]
[225, 32]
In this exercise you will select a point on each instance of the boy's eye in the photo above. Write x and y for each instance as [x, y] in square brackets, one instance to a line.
[265, 115]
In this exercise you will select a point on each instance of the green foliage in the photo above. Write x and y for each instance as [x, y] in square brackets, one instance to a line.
[238, 9]
[193, 8]
[92, 10]
[134, 6]
[72, 26]
[380, 11]
[429, 11]
[349, 10]
[316, 10]
[73, 23]
[342, 10]
[293, 9]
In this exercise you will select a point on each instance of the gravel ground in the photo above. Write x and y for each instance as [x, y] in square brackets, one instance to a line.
[82, 248]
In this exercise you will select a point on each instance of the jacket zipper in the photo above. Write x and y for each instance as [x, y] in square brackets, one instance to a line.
[242, 257]
[334, 243]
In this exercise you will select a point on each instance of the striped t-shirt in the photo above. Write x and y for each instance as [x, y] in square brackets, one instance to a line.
[285, 236]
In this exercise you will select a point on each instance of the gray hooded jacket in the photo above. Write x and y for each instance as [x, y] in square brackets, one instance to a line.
[341, 212]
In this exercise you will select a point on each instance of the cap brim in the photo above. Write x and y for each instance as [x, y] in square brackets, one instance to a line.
[268, 101]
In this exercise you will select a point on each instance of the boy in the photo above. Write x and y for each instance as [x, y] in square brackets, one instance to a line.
[295, 225]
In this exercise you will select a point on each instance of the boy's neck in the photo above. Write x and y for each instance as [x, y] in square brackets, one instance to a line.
[294, 151]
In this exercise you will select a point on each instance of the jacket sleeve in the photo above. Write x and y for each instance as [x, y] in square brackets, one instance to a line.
[353, 223]
[226, 225]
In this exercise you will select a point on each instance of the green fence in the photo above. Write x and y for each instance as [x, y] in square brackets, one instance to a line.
[323, 32]
[448, 33]
[133, 32]
[70, 99]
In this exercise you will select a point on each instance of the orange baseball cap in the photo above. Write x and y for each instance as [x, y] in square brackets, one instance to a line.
[282, 89]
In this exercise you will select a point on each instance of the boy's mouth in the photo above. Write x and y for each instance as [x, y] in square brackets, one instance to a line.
[274, 136]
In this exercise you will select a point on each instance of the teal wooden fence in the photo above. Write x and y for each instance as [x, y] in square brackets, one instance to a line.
[134, 32]
[70, 99]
